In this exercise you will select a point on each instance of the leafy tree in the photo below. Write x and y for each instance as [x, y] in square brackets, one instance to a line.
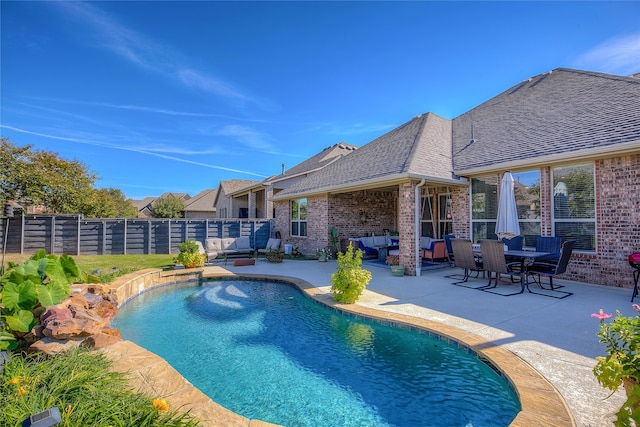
[108, 203]
[17, 181]
[168, 207]
[36, 177]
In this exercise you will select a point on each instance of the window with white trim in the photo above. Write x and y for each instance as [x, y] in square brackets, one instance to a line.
[527, 192]
[484, 207]
[574, 205]
[299, 218]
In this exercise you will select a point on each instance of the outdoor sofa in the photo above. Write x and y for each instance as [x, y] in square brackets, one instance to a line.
[227, 246]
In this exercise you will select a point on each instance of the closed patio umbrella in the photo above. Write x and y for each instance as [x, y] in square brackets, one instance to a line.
[507, 221]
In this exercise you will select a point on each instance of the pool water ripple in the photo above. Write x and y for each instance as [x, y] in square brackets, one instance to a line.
[264, 350]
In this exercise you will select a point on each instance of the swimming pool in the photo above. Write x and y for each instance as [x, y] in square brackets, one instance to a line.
[266, 351]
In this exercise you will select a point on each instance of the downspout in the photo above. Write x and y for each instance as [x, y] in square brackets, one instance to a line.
[416, 232]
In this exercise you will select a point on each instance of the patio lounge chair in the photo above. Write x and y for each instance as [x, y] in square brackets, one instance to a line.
[436, 250]
[494, 262]
[464, 258]
[272, 244]
[543, 268]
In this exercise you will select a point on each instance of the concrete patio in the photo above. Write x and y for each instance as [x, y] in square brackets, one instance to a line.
[557, 337]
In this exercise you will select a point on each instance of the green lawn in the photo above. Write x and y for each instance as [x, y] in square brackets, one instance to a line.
[109, 263]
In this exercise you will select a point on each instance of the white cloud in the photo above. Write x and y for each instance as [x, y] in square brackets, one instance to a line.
[151, 152]
[247, 136]
[146, 53]
[620, 55]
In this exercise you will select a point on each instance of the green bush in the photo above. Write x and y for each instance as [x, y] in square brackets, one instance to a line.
[25, 289]
[190, 255]
[85, 390]
[350, 280]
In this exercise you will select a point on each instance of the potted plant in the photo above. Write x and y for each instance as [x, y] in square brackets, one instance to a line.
[321, 254]
[350, 279]
[621, 365]
[394, 262]
[274, 255]
[190, 255]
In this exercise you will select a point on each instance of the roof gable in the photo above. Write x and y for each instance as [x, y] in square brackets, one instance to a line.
[203, 201]
[419, 147]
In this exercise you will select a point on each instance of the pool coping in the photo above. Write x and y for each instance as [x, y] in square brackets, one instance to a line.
[541, 403]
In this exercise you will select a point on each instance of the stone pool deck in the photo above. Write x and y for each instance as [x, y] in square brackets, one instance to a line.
[554, 339]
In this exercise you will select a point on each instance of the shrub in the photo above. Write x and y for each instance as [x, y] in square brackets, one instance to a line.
[190, 255]
[350, 279]
[85, 390]
[42, 281]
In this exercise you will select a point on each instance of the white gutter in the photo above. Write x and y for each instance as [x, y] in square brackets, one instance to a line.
[384, 181]
[417, 228]
[623, 149]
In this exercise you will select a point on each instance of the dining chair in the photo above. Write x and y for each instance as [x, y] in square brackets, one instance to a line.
[551, 245]
[494, 261]
[464, 258]
[550, 269]
[447, 241]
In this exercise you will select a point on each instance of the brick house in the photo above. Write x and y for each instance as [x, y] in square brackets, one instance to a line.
[256, 195]
[571, 139]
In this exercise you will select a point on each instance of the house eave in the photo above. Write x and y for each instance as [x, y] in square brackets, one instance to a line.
[386, 181]
[623, 149]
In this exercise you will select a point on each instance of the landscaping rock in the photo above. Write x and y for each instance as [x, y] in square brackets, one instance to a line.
[73, 328]
[99, 341]
[52, 346]
[82, 319]
[92, 299]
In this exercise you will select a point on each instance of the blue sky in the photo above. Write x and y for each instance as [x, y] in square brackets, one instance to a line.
[177, 96]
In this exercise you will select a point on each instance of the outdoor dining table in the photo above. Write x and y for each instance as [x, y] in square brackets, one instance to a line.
[524, 256]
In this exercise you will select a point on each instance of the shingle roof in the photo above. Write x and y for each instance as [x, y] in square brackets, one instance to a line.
[563, 112]
[236, 185]
[203, 201]
[318, 161]
[419, 148]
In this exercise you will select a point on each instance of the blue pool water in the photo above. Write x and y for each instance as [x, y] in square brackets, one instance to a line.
[266, 351]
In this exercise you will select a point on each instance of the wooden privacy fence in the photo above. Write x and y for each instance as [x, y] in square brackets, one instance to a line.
[75, 235]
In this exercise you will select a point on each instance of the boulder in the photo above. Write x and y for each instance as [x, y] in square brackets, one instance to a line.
[99, 341]
[55, 313]
[73, 328]
[52, 346]
[92, 299]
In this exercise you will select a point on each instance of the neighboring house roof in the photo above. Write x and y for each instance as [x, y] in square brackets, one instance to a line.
[144, 206]
[420, 148]
[144, 203]
[315, 163]
[225, 188]
[559, 115]
[203, 201]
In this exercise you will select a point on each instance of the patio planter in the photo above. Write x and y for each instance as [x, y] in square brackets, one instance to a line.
[397, 270]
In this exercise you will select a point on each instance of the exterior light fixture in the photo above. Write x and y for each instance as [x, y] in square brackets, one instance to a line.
[47, 418]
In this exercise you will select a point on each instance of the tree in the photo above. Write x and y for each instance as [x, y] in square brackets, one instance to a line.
[168, 207]
[61, 186]
[108, 203]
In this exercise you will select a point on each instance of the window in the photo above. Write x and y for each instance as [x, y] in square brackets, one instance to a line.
[427, 219]
[446, 214]
[527, 192]
[484, 207]
[299, 218]
[574, 205]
